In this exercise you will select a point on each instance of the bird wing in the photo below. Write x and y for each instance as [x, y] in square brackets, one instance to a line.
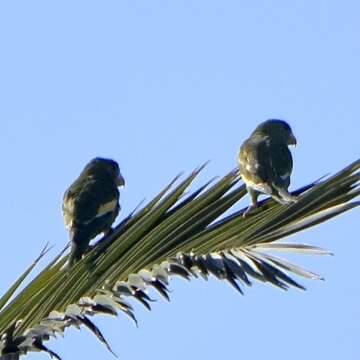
[87, 199]
[254, 161]
[281, 163]
[263, 161]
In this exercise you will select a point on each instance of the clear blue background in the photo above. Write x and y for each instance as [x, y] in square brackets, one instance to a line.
[163, 86]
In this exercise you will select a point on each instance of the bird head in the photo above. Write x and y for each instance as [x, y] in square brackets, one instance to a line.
[105, 168]
[278, 130]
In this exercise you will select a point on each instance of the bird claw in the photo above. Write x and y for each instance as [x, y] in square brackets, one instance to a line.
[291, 199]
[249, 210]
[284, 197]
[108, 231]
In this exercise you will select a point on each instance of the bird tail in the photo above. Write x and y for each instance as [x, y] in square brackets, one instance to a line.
[78, 248]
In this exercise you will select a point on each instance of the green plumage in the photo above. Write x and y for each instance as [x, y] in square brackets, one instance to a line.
[266, 163]
[91, 204]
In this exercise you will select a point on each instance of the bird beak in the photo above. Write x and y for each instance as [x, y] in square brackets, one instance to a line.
[120, 181]
[292, 140]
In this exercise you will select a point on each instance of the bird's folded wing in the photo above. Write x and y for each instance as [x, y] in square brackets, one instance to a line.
[85, 203]
[281, 163]
[254, 160]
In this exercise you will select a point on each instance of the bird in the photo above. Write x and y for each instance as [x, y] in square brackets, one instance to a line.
[265, 162]
[91, 204]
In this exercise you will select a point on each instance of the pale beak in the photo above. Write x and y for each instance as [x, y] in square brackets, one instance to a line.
[120, 181]
[292, 140]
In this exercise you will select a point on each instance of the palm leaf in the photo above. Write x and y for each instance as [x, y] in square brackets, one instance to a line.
[7, 296]
[174, 234]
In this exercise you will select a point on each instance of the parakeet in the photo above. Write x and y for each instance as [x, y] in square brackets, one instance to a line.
[266, 163]
[91, 204]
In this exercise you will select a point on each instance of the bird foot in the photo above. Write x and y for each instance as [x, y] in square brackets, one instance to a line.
[249, 210]
[108, 231]
[291, 199]
[284, 197]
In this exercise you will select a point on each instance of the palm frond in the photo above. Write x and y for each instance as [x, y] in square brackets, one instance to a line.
[173, 235]
[7, 296]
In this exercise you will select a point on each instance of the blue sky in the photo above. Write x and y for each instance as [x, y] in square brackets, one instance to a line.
[162, 86]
